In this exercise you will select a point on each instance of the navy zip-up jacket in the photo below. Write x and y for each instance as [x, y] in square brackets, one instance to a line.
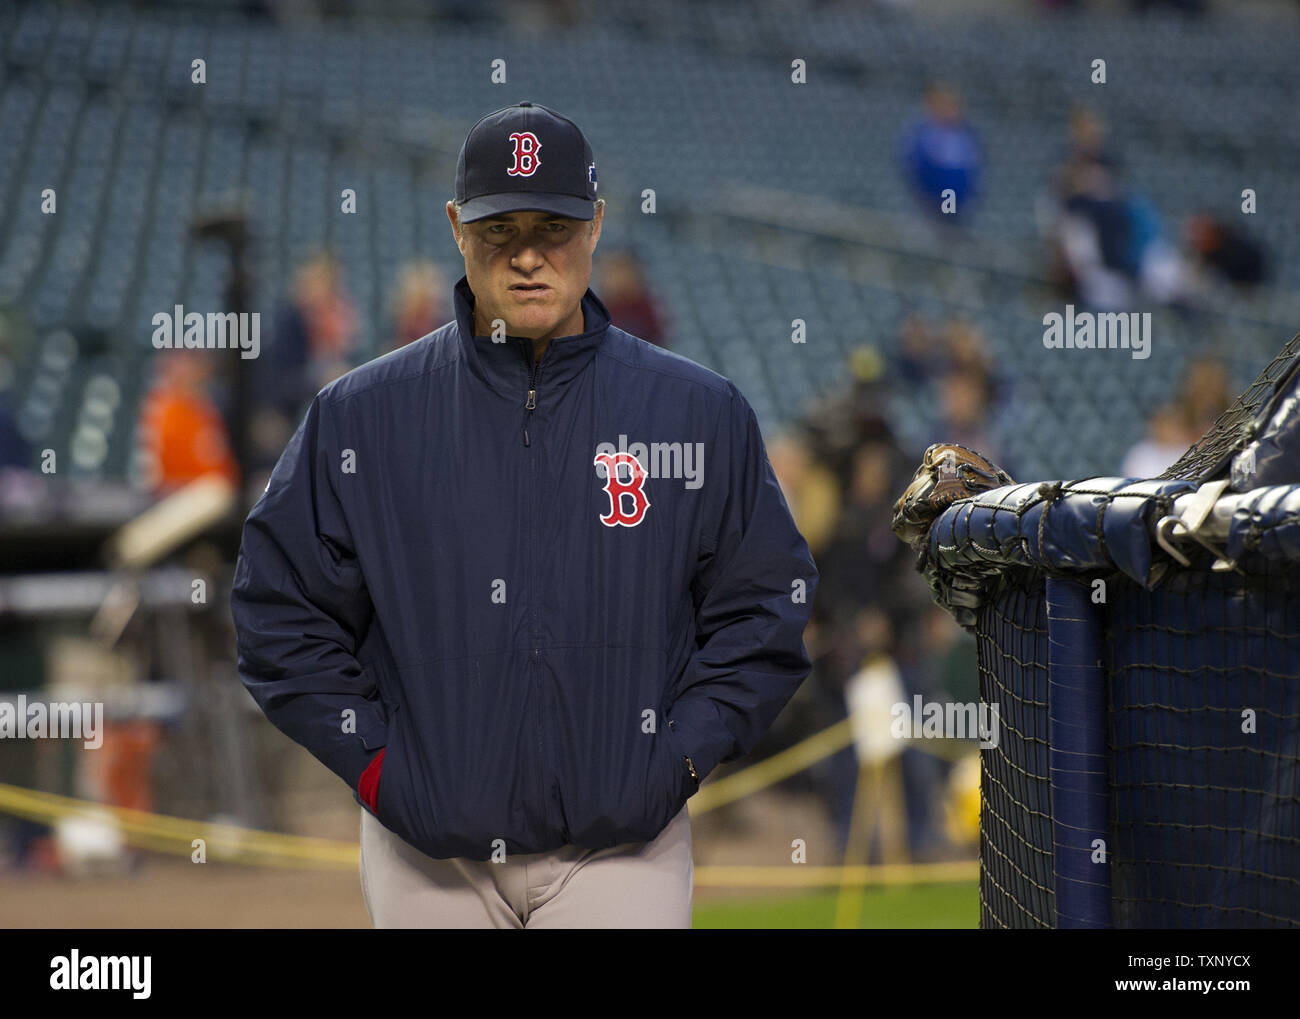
[440, 567]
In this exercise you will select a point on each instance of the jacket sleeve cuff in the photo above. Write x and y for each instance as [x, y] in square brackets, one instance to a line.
[354, 753]
[695, 725]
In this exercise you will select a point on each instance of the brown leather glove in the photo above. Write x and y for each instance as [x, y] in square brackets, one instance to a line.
[948, 472]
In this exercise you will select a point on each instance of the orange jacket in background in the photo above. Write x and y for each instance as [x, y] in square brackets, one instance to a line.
[186, 437]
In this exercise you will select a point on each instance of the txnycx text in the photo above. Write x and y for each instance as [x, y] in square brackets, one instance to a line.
[77, 972]
[1158, 962]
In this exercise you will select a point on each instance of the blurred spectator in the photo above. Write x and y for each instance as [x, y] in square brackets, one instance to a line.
[939, 661]
[1162, 273]
[929, 354]
[1205, 394]
[964, 413]
[311, 344]
[1202, 397]
[948, 370]
[182, 431]
[916, 362]
[1226, 249]
[121, 772]
[869, 602]
[418, 304]
[967, 351]
[940, 152]
[1083, 217]
[1107, 243]
[851, 613]
[808, 486]
[631, 307]
[1169, 433]
[312, 339]
[1094, 235]
[968, 354]
[863, 557]
[849, 417]
[1088, 144]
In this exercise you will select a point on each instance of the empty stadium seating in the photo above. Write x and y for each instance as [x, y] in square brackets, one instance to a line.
[97, 103]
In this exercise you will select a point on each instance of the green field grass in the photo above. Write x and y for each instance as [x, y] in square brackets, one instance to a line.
[916, 907]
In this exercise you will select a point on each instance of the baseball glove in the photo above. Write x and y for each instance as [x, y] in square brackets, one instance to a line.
[948, 472]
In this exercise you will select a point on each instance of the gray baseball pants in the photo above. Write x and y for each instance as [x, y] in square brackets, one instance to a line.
[635, 884]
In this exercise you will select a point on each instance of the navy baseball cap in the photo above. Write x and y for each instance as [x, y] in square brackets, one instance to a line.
[525, 157]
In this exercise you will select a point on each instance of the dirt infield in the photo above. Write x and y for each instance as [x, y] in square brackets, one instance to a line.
[169, 894]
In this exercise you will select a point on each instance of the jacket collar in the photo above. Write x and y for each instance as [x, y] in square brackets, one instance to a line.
[505, 367]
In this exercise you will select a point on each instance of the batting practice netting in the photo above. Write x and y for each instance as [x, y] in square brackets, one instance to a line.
[1141, 640]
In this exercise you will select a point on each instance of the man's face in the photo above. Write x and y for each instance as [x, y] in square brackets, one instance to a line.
[529, 269]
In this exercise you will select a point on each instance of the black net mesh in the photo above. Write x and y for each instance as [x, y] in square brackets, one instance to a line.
[1205, 750]
[1016, 883]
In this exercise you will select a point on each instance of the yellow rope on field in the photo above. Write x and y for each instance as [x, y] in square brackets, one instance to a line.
[225, 842]
[230, 843]
[774, 769]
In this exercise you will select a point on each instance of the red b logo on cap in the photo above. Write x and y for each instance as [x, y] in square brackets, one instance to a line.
[526, 148]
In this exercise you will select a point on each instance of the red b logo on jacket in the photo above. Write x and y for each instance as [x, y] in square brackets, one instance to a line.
[617, 489]
[526, 148]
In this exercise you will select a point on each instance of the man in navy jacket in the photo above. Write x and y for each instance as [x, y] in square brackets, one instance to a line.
[525, 582]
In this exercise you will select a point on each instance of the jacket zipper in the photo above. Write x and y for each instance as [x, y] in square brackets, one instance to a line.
[530, 404]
